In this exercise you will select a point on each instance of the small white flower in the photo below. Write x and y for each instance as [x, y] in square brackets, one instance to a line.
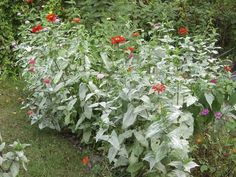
[27, 22]
[18, 14]
[57, 20]
[46, 29]
[100, 76]
[28, 48]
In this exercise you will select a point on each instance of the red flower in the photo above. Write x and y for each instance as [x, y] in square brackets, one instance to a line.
[37, 29]
[51, 17]
[159, 87]
[76, 20]
[131, 49]
[228, 68]
[29, 1]
[46, 81]
[30, 112]
[135, 34]
[183, 31]
[85, 160]
[32, 69]
[117, 39]
[32, 61]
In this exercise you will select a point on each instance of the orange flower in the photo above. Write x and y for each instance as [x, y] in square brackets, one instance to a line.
[228, 68]
[117, 39]
[51, 17]
[29, 1]
[135, 34]
[183, 31]
[159, 87]
[76, 20]
[85, 160]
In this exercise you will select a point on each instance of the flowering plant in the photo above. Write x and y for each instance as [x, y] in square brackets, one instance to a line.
[143, 110]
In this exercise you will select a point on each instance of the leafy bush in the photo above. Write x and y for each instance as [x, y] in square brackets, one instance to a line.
[140, 99]
[10, 162]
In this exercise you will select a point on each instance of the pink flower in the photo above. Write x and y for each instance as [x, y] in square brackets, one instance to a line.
[204, 112]
[32, 61]
[131, 55]
[30, 112]
[46, 81]
[218, 115]
[32, 69]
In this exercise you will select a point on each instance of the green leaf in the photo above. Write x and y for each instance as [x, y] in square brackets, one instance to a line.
[105, 60]
[71, 104]
[114, 140]
[82, 91]
[189, 166]
[129, 117]
[209, 98]
[57, 77]
[190, 100]
[141, 139]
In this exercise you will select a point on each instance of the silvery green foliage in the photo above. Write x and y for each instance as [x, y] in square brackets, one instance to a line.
[11, 161]
[94, 93]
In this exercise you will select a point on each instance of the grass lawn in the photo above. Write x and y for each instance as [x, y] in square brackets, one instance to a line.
[50, 154]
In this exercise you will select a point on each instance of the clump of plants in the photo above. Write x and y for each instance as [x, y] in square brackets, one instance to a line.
[141, 101]
[11, 160]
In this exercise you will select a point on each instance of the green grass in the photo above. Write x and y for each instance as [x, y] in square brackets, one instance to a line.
[50, 154]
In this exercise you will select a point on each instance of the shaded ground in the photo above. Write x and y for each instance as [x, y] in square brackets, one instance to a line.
[50, 154]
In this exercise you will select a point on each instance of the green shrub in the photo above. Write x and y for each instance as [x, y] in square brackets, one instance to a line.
[10, 162]
[140, 99]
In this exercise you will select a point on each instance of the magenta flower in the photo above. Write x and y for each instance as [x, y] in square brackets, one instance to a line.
[46, 81]
[218, 115]
[213, 81]
[204, 112]
[32, 61]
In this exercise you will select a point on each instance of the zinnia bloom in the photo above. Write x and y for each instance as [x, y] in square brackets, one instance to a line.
[76, 20]
[51, 17]
[135, 34]
[117, 39]
[204, 112]
[218, 115]
[30, 112]
[46, 81]
[159, 87]
[32, 61]
[29, 1]
[213, 81]
[228, 68]
[37, 29]
[131, 49]
[183, 31]
[85, 160]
